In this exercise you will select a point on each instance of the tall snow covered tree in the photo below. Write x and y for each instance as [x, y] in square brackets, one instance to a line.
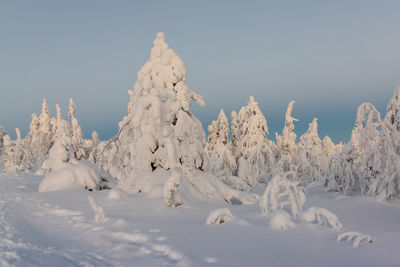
[386, 184]
[359, 163]
[234, 130]
[76, 133]
[286, 147]
[62, 151]
[2, 134]
[286, 142]
[40, 137]
[221, 161]
[311, 164]
[254, 152]
[159, 131]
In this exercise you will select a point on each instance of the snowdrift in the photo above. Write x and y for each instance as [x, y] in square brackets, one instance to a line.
[78, 174]
[175, 188]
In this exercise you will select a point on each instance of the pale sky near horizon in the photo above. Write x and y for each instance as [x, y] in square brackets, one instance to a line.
[328, 56]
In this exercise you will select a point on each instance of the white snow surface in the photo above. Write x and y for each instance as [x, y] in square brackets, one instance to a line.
[58, 228]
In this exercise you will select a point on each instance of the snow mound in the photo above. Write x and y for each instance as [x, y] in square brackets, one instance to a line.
[282, 194]
[79, 174]
[175, 188]
[322, 217]
[281, 220]
[219, 216]
[358, 239]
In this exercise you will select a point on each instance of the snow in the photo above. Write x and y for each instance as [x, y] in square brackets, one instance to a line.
[281, 220]
[322, 217]
[358, 239]
[59, 229]
[219, 216]
[168, 179]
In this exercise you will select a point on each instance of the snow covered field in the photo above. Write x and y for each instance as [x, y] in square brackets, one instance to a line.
[61, 228]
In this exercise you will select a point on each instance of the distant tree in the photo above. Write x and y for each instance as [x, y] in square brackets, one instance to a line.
[76, 133]
[221, 161]
[254, 152]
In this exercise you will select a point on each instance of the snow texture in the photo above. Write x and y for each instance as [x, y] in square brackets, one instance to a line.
[281, 220]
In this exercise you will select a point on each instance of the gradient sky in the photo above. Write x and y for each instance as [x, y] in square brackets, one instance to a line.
[328, 56]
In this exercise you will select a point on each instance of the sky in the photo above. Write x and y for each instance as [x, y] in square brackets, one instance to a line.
[328, 56]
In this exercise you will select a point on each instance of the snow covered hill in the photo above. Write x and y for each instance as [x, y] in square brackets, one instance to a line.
[76, 227]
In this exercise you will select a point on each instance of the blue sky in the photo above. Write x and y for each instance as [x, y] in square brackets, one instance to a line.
[328, 56]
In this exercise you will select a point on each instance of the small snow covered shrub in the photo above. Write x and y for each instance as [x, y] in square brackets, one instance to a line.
[284, 195]
[99, 215]
[358, 239]
[79, 174]
[322, 217]
[170, 191]
[219, 216]
[281, 220]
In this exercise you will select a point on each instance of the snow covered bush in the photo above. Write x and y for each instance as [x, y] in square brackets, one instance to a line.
[219, 216]
[358, 239]
[282, 194]
[77, 174]
[322, 217]
[281, 220]
[170, 190]
[99, 215]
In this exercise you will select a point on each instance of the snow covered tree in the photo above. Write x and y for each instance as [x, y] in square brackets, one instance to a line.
[159, 131]
[76, 133]
[360, 162]
[286, 148]
[41, 136]
[234, 130]
[286, 142]
[310, 160]
[384, 158]
[17, 157]
[2, 134]
[329, 148]
[221, 161]
[62, 151]
[254, 152]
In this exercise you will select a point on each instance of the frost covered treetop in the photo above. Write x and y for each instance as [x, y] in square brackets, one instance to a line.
[165, 70]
